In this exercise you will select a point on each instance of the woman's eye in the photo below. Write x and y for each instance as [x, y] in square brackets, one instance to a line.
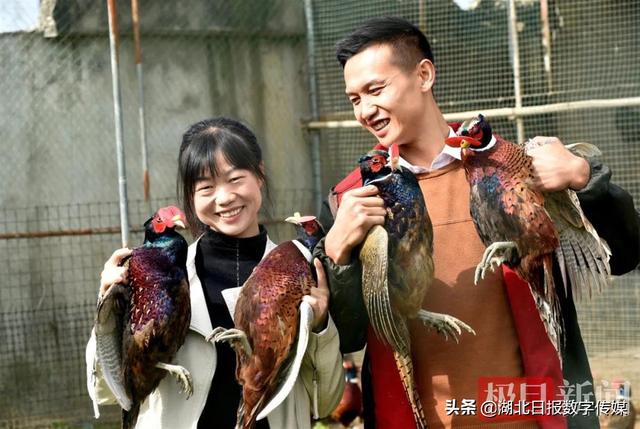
[203, 188]
[235, 179]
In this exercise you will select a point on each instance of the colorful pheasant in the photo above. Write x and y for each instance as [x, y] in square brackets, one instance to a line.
[583, 257]
[523, 227]
[350, 406]
[140, 326]
[272, 323]
[397, 265]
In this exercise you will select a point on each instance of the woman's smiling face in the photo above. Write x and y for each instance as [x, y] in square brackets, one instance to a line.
[229, 202]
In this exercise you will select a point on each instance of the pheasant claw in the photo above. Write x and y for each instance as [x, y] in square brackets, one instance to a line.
[182, 375]
[494, 256]
[235, 337]
[444, 324]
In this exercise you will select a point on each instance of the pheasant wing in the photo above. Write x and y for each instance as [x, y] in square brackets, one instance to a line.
[111, 318]
[289, 374]
[582, 255]
[374, 256]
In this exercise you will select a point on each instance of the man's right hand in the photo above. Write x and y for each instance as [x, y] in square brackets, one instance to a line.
[113, 272]
[359, 210]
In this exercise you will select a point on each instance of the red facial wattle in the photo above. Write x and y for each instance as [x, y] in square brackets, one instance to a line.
[159, 225]
[458, 141]
[168, 217]
[377, 162]
[310, 227]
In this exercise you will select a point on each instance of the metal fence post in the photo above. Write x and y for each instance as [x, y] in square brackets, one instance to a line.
[117, 116]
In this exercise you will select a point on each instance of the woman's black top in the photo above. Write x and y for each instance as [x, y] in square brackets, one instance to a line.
[224, 262]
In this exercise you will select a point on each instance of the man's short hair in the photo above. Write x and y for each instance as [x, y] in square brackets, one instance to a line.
[410, 45]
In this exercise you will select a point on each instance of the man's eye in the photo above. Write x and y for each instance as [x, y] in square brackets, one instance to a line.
[376, 90]
[355, 101]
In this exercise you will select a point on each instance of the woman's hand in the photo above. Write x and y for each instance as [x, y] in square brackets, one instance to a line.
[319, 299]
[113, 272]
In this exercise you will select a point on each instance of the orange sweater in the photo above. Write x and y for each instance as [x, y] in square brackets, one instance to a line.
[510, 339]
[446, 370]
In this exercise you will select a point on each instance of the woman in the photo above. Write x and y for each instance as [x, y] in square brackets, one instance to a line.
[221, 176]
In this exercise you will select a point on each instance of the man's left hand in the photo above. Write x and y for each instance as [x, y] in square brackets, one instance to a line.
[555, 168]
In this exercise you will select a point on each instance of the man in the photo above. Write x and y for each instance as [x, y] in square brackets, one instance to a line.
[389, 76]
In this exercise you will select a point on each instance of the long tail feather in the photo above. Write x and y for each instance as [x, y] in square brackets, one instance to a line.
[551, 320]
[248, 420]
[130, 417]
[405, 368]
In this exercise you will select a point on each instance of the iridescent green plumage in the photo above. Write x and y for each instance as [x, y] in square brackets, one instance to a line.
[524, 227]
[397, 267]
[141, 325]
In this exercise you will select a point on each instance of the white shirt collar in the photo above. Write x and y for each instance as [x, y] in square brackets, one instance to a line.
[445, 157]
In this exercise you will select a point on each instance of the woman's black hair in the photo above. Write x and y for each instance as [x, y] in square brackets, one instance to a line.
[200, 143]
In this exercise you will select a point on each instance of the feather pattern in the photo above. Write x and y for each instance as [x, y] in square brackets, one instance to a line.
[529, 227]
[374, 256]
[140, 326]
[582, 255]
[397, 267]
[111, 313]
[269, 313]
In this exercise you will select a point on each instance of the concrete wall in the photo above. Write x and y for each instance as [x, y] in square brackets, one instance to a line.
[244, 59]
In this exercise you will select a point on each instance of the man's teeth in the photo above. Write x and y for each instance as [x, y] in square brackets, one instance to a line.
[230, 213]
[380, 124]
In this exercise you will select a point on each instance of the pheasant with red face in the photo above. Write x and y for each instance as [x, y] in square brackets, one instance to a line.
[522, 227]
[140, 326]
[272, 323]
[397, 265]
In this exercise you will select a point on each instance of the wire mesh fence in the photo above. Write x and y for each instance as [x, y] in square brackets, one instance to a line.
[568, 52]
[247, 59]
[59, 209]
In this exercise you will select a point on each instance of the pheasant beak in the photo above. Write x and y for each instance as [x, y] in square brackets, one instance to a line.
[463, 142]
[295, 219]
[179, 221]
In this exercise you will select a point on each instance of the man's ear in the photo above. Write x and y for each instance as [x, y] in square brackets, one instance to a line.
[426, 74]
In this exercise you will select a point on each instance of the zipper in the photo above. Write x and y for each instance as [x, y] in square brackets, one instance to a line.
[316, 414]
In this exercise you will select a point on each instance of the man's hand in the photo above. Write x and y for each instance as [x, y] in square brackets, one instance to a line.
[360, 209]
[556, 169]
